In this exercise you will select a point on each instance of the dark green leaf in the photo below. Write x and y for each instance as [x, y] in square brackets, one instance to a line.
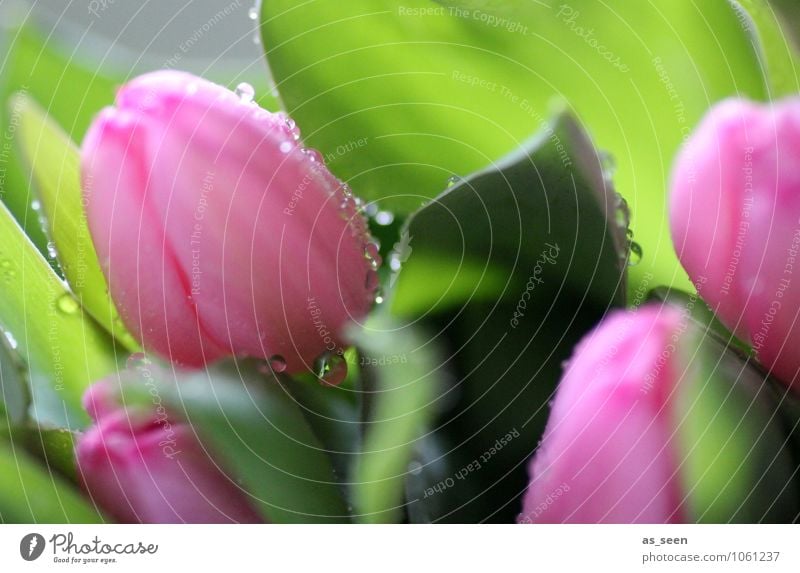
[550, 229]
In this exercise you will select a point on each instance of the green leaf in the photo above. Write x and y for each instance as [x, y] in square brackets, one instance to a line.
[29, 493]
[549, 226]
[14, 394]
[436, 91]
[54, 447]
[256, 429]
[544, 204]
[736, 465]
[404, 401]
[55, 163]
[332, 414]
[702, 315]
[776, 52]
[64, 350]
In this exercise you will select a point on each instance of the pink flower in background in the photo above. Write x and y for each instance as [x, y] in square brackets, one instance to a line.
[140, 467]
[654, 422]
[217, 231]
[735, 220]
[608, 453]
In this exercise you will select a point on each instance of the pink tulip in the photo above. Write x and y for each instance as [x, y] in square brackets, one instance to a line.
[140, 467]
[735, 219]
[217, 231]
[654, 423]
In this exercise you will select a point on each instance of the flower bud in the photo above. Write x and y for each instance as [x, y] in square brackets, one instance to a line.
[653, 422]
[735, 221]
[217, 231]
[141, 467]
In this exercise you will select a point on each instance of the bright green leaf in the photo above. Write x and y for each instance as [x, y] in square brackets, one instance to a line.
[64, 350]
[403, 403]
[55, 162]
[30, 493]
[436, 89]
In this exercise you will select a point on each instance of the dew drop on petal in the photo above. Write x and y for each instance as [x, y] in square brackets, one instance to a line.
[277, 363]
[291, 127]
[371, 251]
[285, 147]
[245, 92]
[314, 155]
[332, 369]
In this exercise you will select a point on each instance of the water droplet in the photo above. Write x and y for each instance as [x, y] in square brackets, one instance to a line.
[622, 214]
[635, 254]
[51, 250]
[137, 360]
[331, 369]
[245, 92]
[379, 295]
[291, 127]
[415, 468]
[384, 218]
[252, 13]
[395, 263]
[67, 304]
[608, 164]
[11, 340]
[372, 251]
[346, 191]
[286, 147]
[314, 155]
[379, 299]
[36, 205]
[277, 363]
[452, 181]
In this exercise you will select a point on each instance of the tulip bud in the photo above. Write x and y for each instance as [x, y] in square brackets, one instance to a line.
[141, 467]
[217, 231]
[653, 422]
[735, 220]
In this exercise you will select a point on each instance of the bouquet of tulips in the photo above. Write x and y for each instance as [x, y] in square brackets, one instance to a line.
[405, 287]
